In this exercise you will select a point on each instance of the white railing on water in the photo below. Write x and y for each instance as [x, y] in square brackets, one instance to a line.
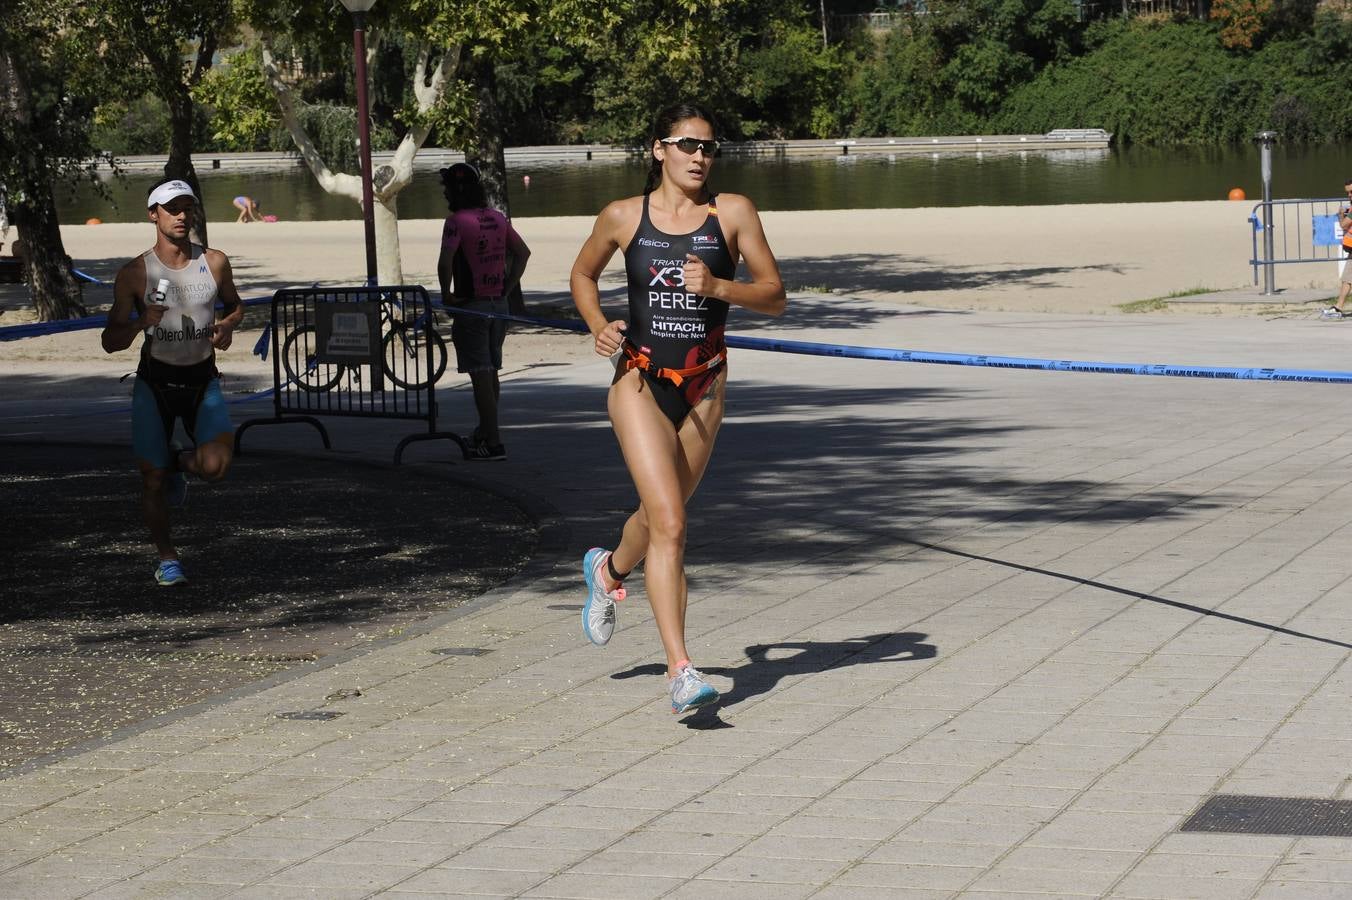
[435, 157]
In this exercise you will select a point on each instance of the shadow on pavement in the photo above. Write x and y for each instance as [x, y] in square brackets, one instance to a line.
[769, 664]
[289, 559]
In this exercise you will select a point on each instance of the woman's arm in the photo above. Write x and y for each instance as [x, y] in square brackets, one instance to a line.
[584, 281]
[765, 292]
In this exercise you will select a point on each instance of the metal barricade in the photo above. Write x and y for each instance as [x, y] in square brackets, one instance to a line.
[369, 352]
[1297, 231]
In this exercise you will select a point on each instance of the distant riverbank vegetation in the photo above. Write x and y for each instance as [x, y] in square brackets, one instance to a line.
[975, 67]
[82, 78]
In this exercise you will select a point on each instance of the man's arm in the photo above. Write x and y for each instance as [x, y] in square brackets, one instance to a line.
[519, 254]
[450, 242]
[121, 329]
[232, 313]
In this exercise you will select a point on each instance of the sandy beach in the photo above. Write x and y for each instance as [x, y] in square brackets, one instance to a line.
[1074, 259]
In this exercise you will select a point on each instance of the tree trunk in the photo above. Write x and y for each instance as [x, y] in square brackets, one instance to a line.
[179, 164]
[55, 290]
[389, 260]
[487, 155]
[387, 180]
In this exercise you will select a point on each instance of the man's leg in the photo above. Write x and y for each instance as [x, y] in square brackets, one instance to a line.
[491, 389]
[150, 429]
[214, 434]
[155, 510]
[487, 389]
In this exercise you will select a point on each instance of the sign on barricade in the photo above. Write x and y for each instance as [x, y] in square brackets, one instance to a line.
[370, 352]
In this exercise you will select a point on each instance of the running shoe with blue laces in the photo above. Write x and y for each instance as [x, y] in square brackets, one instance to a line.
[598, 613]
[689, 690]
[170, 573]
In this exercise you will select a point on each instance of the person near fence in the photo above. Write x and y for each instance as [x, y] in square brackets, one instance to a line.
[484, 257]
[1345, 223]
[173, 287]
[681, 242]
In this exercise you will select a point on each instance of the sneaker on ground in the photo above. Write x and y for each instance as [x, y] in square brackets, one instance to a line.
[1332, 312]
[169, 573]
[689, 690]
[598, 613]
[482, 450]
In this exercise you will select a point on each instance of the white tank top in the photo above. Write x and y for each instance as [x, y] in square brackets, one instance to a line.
[183, 336]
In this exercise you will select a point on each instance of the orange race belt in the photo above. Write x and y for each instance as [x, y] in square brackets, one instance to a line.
[638, 360]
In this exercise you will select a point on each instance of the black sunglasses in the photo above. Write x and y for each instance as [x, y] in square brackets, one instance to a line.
[689, 145]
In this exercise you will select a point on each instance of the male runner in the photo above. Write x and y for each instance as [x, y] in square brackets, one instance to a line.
[173, 287]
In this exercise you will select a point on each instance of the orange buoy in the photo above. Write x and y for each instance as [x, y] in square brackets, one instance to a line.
[1236, 193]
[93, 221]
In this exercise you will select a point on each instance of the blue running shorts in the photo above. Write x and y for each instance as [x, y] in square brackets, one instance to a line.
[154, 408]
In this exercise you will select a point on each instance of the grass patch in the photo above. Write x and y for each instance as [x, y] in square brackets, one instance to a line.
[811, 289]
[1157, 304]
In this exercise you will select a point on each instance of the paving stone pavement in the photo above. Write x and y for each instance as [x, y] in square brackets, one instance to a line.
[981, 633]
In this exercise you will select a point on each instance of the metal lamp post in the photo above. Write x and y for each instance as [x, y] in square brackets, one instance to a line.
[359, 8]
[1265, 140]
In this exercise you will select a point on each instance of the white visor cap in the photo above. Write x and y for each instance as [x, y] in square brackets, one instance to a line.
[168, 191]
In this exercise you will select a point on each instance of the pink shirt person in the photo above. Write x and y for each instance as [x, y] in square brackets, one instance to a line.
[483, 238]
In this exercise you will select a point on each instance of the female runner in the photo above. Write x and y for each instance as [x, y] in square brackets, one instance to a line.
[681, 242]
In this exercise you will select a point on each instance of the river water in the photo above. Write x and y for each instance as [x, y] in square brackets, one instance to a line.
[847, 182]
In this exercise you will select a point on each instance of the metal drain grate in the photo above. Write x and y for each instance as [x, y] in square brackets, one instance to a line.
[310, 715]
[1247, 814]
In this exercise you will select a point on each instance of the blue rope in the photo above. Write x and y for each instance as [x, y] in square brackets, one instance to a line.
[847, 351]
[38, 329]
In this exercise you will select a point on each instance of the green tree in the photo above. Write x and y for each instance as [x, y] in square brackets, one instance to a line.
[450, 51]
[950, 69]
[50, 64]
[1241, 21]
[161, 32]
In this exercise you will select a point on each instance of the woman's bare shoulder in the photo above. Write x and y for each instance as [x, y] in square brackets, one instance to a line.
[737, 204]
[622, 210]
[620, 217]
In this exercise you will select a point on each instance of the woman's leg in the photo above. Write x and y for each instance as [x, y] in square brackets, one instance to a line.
[666, 467]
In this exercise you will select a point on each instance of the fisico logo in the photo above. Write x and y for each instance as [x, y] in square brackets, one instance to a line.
[647, 242]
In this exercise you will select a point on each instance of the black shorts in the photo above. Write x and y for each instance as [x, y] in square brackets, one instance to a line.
[478, 341]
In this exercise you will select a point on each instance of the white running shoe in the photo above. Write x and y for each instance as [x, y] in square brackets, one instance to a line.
[689, 689]
[1332, 312]
[598, 613]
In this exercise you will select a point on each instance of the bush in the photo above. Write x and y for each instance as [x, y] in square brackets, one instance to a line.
[1175, 83]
